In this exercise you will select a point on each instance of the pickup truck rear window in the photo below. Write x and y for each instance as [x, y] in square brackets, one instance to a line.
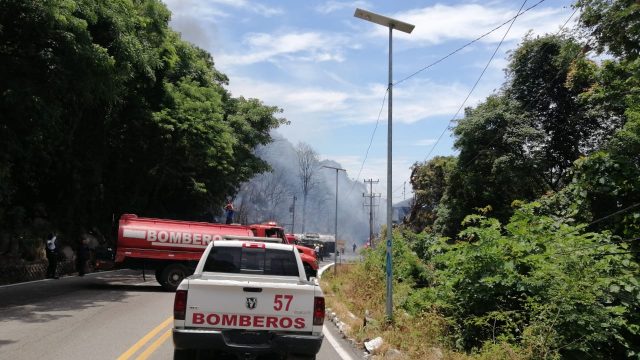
[251, 261]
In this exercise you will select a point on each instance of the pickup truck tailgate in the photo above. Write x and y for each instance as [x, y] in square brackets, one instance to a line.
[240, 304]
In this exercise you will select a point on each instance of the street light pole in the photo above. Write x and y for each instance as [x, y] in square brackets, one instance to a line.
[335, 252]
[407, 28]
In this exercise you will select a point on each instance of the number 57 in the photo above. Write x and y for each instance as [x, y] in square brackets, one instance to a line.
[277, 302]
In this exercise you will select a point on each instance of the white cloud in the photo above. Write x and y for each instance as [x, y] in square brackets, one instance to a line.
[421, 99]
[425, 142]
[304, 46]
[308, 105]
[331, 6]
[439, 23]
[199, 8]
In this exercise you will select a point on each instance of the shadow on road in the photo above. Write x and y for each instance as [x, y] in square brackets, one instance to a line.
[6, 342]
[43, 301]
[126, 287]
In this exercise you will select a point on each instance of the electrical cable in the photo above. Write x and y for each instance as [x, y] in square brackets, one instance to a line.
[477, 81]
[511, 20]
[469, 43]
[556, 77]
[373, 133]
[384, 98]
[573, 250]
[434, 63]
[617, 253]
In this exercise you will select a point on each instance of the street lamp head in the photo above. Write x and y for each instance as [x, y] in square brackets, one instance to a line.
[384, 21]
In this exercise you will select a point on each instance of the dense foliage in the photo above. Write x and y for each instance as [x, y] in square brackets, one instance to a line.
[563, 126]
[105, 110]
[548, 288]
[531, 235]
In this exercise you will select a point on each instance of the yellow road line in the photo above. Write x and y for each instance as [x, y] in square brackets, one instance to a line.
[155, 345]
[132, 350]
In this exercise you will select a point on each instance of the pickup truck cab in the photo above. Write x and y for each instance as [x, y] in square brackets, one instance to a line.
[249, 297]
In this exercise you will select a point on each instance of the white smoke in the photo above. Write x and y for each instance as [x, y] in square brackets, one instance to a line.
[269, 197]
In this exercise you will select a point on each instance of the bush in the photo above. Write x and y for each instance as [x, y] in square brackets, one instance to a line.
[541, 283]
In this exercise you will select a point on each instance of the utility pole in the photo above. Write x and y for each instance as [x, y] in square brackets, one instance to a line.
[335, 253]
[371, 196]
[292, 210]
[404, 185]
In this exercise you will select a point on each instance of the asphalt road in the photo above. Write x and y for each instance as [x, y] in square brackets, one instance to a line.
[109, 315]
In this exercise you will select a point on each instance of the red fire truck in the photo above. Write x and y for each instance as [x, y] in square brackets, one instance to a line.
[172, 248]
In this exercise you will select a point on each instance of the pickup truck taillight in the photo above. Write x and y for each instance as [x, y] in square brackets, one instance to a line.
[180, 305]
[318, 310]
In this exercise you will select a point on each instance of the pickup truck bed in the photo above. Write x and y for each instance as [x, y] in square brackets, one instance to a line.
[248, 298]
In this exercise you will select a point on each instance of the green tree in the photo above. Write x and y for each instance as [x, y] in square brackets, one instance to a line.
[606, 182]
[429, 181]
[614, 25]
[495, 141]
[538, 73]
[106, 110]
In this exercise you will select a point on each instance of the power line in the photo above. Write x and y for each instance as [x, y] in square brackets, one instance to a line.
[512, 20]
[448, 125]
[432, 64]
[554, 79]
[615, 213]
[566, 22]
[573, 250]
[617, 253]
[384, 98]
[478, 80]
[471, 42]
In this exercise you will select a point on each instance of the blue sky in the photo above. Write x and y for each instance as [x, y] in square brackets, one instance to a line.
[328, 70]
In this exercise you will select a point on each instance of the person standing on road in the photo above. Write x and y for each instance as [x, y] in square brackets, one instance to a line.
[354, 247]
[52, 256]
[82, 256]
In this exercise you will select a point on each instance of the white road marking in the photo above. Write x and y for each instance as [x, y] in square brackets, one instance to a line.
[344, 355]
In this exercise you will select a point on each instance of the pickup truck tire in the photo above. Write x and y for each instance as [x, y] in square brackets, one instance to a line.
[301, 357]
[172, 276]
[183, 354]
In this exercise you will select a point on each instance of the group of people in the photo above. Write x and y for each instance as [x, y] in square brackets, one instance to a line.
[318, 250]
[53, 253]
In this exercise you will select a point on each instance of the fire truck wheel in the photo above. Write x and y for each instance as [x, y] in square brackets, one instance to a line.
[183, 354]
[172, 276]
[159, 275]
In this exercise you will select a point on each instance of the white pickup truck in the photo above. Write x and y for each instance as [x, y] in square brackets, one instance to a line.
[248, 298]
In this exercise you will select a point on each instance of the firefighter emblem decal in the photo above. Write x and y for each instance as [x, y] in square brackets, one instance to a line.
[251, 303]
